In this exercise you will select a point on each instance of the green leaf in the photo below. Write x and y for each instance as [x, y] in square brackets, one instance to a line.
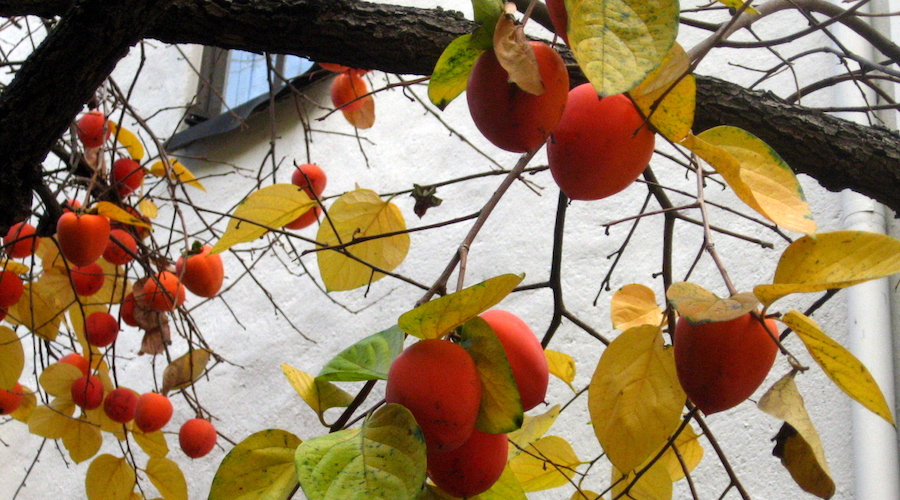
[501, 407]
[451, 73]
[261, 466]
[487, 13]
[368, 359]
[320, 395]
[841, 366]
[385, 459]
[434, 319]
[698, 305]
[268, 208]
[618, 42]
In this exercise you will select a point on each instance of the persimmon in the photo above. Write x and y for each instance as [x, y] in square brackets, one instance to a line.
[88, 280]
[600, 146]
[91, 129]
[312, 179]
[121, 247]
[78, 361]
[162, 292]
[445, 406]
[119, 405]
[127, 176]
[201, 273]
[11, 290]
[126, 310]
[472, 468]
[197, 437]
[524, 353]
[101, 329]
[87, 392]
[721, 364]
[152, 412]
[346, 88]
[307, 219]
[511, 118]
[559, 17]
[20, 240]
[82, 238]
[10, 400]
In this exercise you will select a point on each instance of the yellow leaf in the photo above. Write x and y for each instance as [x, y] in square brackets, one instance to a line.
[153, 443]
[98, 417]
[51, 421]
[115, 213]
[57, 379]
[690, 449]
[318, 394]
[737, 4]
[185, 370]
[14, 266]
[698, 305]
[506, 488]
[364, 116]
[515, 55]
[618, 42]
[26, 407]
[82, 439]
[127, 139]
[109, 478]
[39, 311]
[654, 484]
[268, 208]
[436, 318]
[501, 407]
[12, 358]
[586, 495]
[561, 366]
[177, 172]
[148, 209]
[804, 459]
[674, 115]
[168, 478]
[756, 173]
[634, 305]
[533, 428]
[831, 260]
[634, 398]
[260, 466]
[841, 366]
[355, 215]
[547, 463]
[451, 73]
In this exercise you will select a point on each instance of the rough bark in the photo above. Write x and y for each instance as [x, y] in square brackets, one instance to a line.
[839, 154]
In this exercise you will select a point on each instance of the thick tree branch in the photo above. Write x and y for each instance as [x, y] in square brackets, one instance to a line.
[405, 40]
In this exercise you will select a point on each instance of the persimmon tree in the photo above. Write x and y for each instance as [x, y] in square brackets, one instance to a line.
[649, 433]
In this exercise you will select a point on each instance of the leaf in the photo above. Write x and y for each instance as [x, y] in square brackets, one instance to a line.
[688, 445]
[699, 306]
[368, 359]
[51, 421]
[109, 478]
[831, 260]
[586, 495]
[384, 459]
[634, 305]
[654, 484]
[38, 310]
[364, 116]
[436, 318]
[82, 439]
[501, 407]
[148, 208]
[177, 172]
[127, 139]
[361, 214]
[515, 55]
[757, 174]
[634, 397]
[532, 430]
[801, 454]
[117, 214]
[26, 406]
[737, 4]
[153, 443]
[261, 466]
[506, 488]
[12, 358]
[14, 266]
[547, 463]
[487, 13]
[673, 116]
[618, 42]
[561, 366]
[451, 73]
[168, 478]
[268, 208]
[57, 379]
[320, 395]
[185, 370]
[841, 366]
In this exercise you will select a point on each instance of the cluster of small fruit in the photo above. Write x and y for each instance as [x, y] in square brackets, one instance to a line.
[438, 382]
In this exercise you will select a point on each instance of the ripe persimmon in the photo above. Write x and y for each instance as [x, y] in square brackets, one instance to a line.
[201, 273]
[87, 392]
[162, 292]
[445, 406]
[197, 437]
[119, 241]
[127, 176]
[600, 146]
[101, 329]
[524, 353]
[473, 467]
[560, 18]
[20, 240]
[88, 280]
[152, 412]
[721, 364]
[11, 290]
[312, 179]
[10, 400]
[119, 405]
[91, 129]
[82, 238]
[346, 88]
[76, 360]
[506, 115]
[126, 310]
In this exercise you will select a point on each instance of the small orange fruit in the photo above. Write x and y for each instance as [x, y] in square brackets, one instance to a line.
[163, 292]
[152, 412]
[20, 240]
[197, 437]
